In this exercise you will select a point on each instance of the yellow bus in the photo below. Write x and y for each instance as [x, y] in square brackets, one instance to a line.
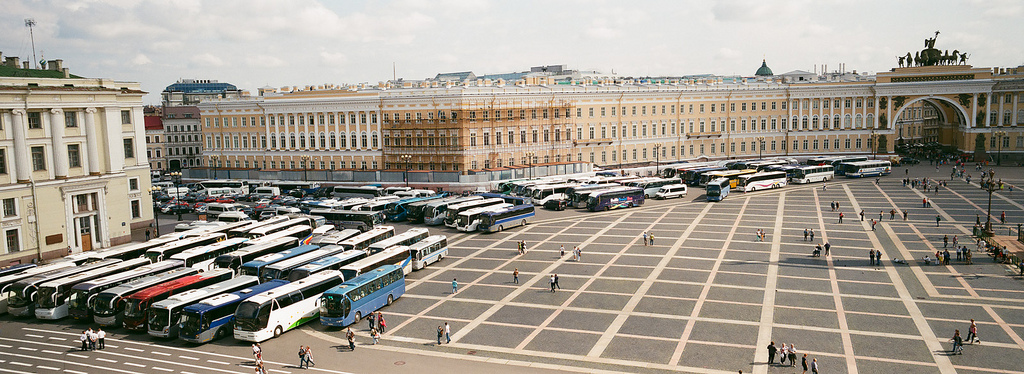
[732, 175]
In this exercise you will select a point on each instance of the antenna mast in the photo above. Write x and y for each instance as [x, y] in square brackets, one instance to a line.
[29, 22]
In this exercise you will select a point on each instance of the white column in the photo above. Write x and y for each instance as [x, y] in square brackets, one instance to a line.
[1013, 115]
[306, 130]
[92, 146]
[22, 166]
[60, 152]
[114, 143]
[988, 111]
[348, 141]
[139, 125]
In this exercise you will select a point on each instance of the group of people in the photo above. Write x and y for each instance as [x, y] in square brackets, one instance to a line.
[377, 326]
[809, 232]
[93, 340]
[554, 282]
[875, 256]
[305, 357]
[522, 247]
[648, 238]
[789, 353]
[759, 235]
[257, 357]
[818, 249]
[445, 332]
[958, 341]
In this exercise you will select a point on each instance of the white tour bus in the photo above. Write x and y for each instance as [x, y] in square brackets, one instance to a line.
[468, 220]
[53, 300]
[202, 258]
[762, 180]
[163, 316]
[364, 240]
[408, 237]
[813, 173]
[428, 251]
[273, 312]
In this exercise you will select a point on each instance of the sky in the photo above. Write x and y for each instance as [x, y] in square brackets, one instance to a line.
[256, 43]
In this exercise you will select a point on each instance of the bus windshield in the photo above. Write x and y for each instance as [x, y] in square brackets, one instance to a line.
[158, 318]
[103, 304]
[331, 306]
[134, 308]
[191, 323]
[251, 316]
[714, 190]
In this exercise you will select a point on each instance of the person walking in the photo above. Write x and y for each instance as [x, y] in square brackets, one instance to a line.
[827, 247]
[840, 217]
[771, 353]
[650, 238]
[302, 358]
[782, 354]
[814, 366]
[561, 251]
[556, 282]
[515, 276]
[937, 219]
[147, 235]
[382, 325]
[440, 333]
[579, 254]
[372, 319]
[812, 235]
[351, 339]
[945, 257]
[862, 215]
[880, 215]
[257, 352]
[792, 355]
[945, 241]
[972, 333]
[101, 336]
[552, 282]
[871, 256]
[447, 333]
[645, 238]
[92, 340]
[803, 362]
[85, 340]
[805, 235]
[455, 286]
[958, 343]
[892, 214]
[309, 357]
[904, 215]
[375, 336]
[873, 223]
[1002, 217]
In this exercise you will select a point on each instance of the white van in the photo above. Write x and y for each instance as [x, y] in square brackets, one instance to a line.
[213, 210]
[178, 192]
[671, 191]
[267, 192]
[233, 216]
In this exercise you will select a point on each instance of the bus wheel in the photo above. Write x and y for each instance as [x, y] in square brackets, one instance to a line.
[278, 331]
[359, 316]
[391, 299]
[220, 333]
[524, 222]
[501, 228]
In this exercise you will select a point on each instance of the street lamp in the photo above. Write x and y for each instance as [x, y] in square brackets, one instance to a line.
[999, 143]
[406, 158]
[176, 179]
[873, 144]
[657, 159]
[214, 164]
[305, 167]
[529, 162]
[760, 146]
[991, 187]
[156, 209]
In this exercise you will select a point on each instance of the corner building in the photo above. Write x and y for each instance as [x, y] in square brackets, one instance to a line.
[73, 168]
[486, 124]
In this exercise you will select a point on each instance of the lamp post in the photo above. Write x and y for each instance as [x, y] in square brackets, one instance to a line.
[305, 166]
[990, 186]
[999, 143]
[529, 162]
[176, 179]
[156, 209]
[760, 146]
[873, 144]
[213, 164]
[406, 158]
[657, 159]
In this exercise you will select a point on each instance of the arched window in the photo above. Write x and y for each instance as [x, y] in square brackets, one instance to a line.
[804, 123]
[291, 140]
[858, 122]
[849, 122]
[373, 140]
[365, 143]
[302, 139]
[334, 140]
[323, 140]
[871, 120]
[1020, 116]
[796, 120]
[355, 139]
[835, 122]
[825, 121]
[342, 140]
[814, 122]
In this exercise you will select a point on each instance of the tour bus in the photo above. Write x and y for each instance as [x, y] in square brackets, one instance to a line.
[415, 193]
[433, 214]
[170, 249]
[762, 180]
[347, 303]
[846, 160]
[408, 237]
[231, 229]
[52, 302]
[671, 191]
[717, 189]
[203, 258]
[137, 304]
[164, 316]
[506, 187]
[282, 269]
[219, 191]
[335, 237]
[266, 192]
[397, 211]
[508, 199]
[363, 191]
[241, 230]
[129, 251]
[9, 280]
[334, 262]
[614, 199]
[732, 175]
[279, 226]
[272, 313]
[503, 218]
[375, 206]
[81, 301]
[392, 256]
[395, 189]
[814, 173]
[427, 251]
[234, 260]
[821, 160]
[414, 211]
[651, 186]
[452, 214]
[572, 194]
[469, 219]
[22, 295]
[192, 228]
[287, 187]
[351, 219]
[213, 317]
[108, 305]
[14, 269]
[693, 177]
[866, 168]
[364, 240]
[298, 233]
[582, 197]
[539, 194]
[255, 267]
[236, 187]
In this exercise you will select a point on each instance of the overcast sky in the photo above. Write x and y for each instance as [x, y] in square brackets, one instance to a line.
[253, 43]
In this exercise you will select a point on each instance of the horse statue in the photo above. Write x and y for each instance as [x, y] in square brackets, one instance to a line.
[901, 60]
[963, 58]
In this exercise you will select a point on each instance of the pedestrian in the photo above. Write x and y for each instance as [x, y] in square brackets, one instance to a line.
[924, 202]
[552, 282]
[257, 352]
[945, 241]
[1002, 217]
[892, 214]
[101, 336]
[945, 257]
[85, 340]
[827, 247]
[958, 343]
[904, 215]
[782, 354]
[972, 333]
[840, 217]
[814, 366]
[805, 235]
[645, 238]
[862, 215]
[959, 253]
[812, 235]
[455, 286]
[871, 256]
[351, 339]
[302, 358]
[832, 205]
[650, 238]
[561, 251]
[375, 335]
[937, 219]
[579, 254]
[771, 353]
[804, 363]
[873, 222]
[792, 355]
[147, 235]
[880, 214]
[447, 333]
[259, 368]
[372, 319]
[440, 333]
[92, 340]
[955, 240]
[556, 282]
[515, 276]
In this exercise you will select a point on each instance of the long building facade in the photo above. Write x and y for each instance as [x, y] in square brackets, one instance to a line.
[73, 168]
[477, 125]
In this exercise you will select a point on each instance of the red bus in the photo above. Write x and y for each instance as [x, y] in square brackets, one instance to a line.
[137, 304]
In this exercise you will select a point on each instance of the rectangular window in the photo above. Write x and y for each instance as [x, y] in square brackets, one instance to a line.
[10, 207]
[11, 238]
[3, 161]
[133, 184]
[126, 117]
[70, 119]
[35, 120]
[38, 158]
[129, 148]
[136, 209]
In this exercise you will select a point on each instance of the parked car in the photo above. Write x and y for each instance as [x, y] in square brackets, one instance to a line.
[556, 204]
[176, 209]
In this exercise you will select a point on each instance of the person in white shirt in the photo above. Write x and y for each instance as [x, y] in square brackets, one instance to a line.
[85, 340]
[92, 340]
[101, 335]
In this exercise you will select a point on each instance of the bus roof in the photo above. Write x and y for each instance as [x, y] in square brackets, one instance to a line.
[177, 283]
[485, 209]
[208, 248]
[307, 257]
[274, 257]
[84, 276]
[120, 277]
[65, 272]
[362, 279]
[368, 234]
[427, 241]
[152, 280]
[216, 301]
[294, 286]
[192, 296]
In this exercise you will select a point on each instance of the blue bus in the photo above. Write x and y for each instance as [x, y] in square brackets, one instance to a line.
[213, 318]
[397, 211]
[717, 189]
[507, 218]
[327, 263]
[614, 199]
[348, 303]
[509, 199]
[692, 177]
[428, 251]
[255, 267]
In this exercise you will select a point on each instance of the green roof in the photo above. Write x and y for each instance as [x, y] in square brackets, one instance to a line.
[7, 71]
[764, 70]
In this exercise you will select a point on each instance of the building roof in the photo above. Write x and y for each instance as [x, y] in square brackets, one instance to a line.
[154, 123]
[456, 76]
[189, 86]
[764, 70]
[7, 71]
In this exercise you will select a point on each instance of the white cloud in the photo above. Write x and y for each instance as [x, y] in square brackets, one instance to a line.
[268, 61]
[141, 59]
[207, 60]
